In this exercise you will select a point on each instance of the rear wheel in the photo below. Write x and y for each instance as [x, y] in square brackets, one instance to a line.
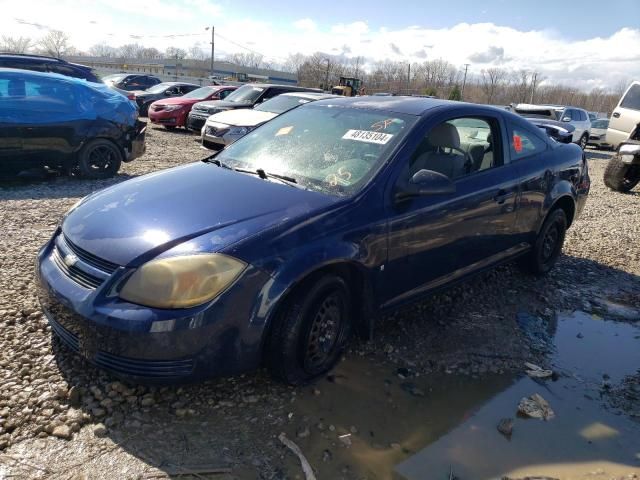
[548, 244]
[99, 159]
[170, 127]
[620, 176]
[310, 332]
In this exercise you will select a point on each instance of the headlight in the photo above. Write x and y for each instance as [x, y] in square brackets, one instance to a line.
[171, 108]
[239, 130]
[181, 282]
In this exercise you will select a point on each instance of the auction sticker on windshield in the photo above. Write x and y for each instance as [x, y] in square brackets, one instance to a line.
[368, 136]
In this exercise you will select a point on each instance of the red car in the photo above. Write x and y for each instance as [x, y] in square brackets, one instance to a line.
[172, 112]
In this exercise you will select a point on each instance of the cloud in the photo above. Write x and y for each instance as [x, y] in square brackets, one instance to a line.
[420, 54]
[305, 24]
[492, 54]
[395, 49]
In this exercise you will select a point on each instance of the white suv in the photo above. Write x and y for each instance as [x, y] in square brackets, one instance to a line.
[577, 117]
[626, 116]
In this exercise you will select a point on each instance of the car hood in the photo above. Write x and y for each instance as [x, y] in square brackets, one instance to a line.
[225, 105]
[136, 220]
[177, 101]
[244, 117]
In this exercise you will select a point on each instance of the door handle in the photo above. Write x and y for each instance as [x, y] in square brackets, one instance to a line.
[616, 114]
[502, 196]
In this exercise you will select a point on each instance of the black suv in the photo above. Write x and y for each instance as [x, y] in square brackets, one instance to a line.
[131, 81]
[39, 63]
[247, 96]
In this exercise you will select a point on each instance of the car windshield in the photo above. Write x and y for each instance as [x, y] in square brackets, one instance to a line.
[245, 94]
[602, 123]
[161, 87]
[281, 104]
[201, 93]
[326, 148]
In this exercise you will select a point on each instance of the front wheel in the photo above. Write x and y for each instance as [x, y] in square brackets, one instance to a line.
[548, 244]
[310, 332]
[620, 176]
[583, 141]
[99, 159]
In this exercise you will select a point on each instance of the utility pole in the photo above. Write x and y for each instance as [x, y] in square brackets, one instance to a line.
[464, 81]
[533, 86]
[176, 67]
[326, 80]
[409, 78]
[212, 48]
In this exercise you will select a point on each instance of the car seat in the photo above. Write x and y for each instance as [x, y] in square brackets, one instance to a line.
[452, 163]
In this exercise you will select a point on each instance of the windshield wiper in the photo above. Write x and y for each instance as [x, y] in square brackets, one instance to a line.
[265, 175]
[259, 172]
[217, 162]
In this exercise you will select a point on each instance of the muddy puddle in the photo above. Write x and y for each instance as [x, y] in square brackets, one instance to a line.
[367, 421]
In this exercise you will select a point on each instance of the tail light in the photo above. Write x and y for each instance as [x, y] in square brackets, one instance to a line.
[131, 96]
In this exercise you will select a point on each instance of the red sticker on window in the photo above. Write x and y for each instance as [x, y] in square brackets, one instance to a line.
[517, 143]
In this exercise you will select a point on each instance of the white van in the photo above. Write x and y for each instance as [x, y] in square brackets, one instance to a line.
[626, 116]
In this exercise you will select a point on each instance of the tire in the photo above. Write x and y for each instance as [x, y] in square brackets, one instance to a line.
[98, 159]
[583, 141]
[621, 177]
[216, 147]
[298, 349]
[548, 244]
[170, 127]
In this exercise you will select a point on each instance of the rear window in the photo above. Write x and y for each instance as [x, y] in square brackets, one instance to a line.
[632, 98]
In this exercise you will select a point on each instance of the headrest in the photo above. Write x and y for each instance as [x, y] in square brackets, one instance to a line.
[444, 135]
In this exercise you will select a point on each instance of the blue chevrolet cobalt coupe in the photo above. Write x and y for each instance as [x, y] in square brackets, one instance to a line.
[275, 250]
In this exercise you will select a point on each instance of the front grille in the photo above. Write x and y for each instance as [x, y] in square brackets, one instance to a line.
[88, 258]
[83, 279]
[123, 365]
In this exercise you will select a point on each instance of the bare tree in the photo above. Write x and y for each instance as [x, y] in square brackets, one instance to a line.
[129, 51]
[293, 63]
[196, 52]
[492, 79]
[250, 59]
[55, 43]
[150, 53]
[15, 44]
[103, 50]
[175, 52]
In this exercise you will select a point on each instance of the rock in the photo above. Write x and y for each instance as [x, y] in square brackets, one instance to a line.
[535, 407]
[107, 403]
[98, 412]
[303, 432]
[251, 399]
[327, 456]
[62, 431]
[534, 371]
[505, 427]
[147, 401]
[345, 439]
[73, 396]
[96, 392]
[412, 389]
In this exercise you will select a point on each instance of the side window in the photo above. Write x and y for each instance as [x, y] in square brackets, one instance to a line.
[525, 143]
[272, 92]
[583, 115]
[632, 98]
[459, 147]
[187, 88]
[224, 94]
[63, 70]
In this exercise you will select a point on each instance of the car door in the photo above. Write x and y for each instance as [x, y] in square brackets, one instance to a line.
[529, 151]
[50, 134]
[625, 116]
[11, 108]
[439, 238]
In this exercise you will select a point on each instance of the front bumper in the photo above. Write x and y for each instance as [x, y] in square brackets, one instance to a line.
[195, 121]
[144, 344]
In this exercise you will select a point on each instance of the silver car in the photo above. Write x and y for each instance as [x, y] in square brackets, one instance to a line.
[577, 117]
[224, 128]
[598, 136]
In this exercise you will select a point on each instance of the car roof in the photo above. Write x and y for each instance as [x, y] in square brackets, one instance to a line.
[397, 104]
[293, 88]
[29, 56]
[182, 83]
[309, 95]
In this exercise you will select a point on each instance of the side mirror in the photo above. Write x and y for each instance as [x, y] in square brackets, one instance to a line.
[566, 119]
[425, 182]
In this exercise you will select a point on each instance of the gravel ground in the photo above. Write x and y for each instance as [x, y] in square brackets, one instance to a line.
[49, 396]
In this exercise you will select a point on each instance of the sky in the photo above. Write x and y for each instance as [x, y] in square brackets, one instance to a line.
[587, 44]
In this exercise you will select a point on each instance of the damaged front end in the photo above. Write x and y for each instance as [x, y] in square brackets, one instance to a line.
[135, 141]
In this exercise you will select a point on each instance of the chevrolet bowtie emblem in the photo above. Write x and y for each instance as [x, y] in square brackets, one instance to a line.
[70, 260]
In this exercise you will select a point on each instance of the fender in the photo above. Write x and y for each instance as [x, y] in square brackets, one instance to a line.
[302, 266]
[561, 191]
